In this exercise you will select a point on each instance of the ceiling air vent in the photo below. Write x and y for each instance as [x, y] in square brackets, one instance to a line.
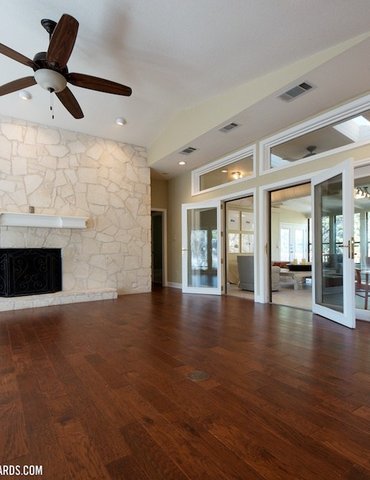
[187, 151]
[229, 127]
[295, 91]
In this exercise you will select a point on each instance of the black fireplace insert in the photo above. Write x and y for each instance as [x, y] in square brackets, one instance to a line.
[30, 271]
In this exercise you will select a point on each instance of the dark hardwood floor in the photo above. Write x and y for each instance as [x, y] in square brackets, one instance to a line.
[101, 391]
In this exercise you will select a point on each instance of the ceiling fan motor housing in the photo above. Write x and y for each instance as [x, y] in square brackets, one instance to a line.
[48, 75]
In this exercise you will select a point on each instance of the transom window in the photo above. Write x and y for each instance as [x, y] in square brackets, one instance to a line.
[338, 129]
[233, 168]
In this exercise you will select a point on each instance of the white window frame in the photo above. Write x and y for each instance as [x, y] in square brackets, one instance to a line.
[248, 151]
[323, 120]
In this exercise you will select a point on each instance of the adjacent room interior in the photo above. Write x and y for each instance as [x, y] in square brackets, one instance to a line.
[291, 253]
[239, 247]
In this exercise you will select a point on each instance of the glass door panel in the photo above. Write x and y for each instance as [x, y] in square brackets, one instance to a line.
[201, 264]
[328, 243]
[333, 266]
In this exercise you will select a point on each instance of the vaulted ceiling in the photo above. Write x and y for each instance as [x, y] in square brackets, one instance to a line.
[193, 66]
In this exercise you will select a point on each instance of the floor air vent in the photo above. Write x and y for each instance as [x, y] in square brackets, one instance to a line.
[296, 91]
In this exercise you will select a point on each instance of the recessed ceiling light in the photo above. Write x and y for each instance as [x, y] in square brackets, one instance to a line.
[121, 121]
[182, 162]
[25, 95]
[223, 171]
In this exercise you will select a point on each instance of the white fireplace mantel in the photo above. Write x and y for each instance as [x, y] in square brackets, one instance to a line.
[9, 219]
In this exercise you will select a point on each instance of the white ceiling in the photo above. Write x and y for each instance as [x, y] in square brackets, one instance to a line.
[177, 54]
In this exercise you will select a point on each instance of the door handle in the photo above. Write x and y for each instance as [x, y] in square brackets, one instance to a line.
[351, 248]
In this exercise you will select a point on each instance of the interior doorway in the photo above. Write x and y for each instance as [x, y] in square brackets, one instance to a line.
[291, 246]
[158, 234]
[239, 247]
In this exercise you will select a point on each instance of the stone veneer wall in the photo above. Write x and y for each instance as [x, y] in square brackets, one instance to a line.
[69, 173]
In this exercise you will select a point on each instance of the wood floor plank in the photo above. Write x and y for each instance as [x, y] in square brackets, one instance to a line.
[102, 390]
[83, 458]
[44, 447]
[114, 377]
[97, 424]
[317, 454]
[103, 397]
[166, 434]
[126, 468]
[13, 437]
[154, 462]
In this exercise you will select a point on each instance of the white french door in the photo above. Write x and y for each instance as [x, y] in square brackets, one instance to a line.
[333, 293]
[201, 248]
[293, 242]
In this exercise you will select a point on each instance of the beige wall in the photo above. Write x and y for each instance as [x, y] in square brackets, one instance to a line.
[179, 192]
[68, 173]
[159, 193]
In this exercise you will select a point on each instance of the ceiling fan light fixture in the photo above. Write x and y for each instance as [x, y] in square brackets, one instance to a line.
[50, 80]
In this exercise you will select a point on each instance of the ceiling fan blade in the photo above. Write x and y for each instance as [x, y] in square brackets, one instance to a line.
[17, 85]
[18, 57]
[62, 41]
[70, 102]
[99, 84]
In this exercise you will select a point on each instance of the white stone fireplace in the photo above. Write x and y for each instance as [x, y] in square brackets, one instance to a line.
[68, 174]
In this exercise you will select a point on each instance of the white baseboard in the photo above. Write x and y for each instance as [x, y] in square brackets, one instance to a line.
[362, 315]
[174, 285]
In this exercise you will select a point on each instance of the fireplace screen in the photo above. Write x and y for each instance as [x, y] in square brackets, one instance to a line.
[30, 271]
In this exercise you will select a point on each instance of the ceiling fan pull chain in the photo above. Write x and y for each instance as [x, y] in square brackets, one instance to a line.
[52, 104]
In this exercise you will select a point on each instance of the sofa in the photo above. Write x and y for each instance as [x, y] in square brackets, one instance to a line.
[246, 273]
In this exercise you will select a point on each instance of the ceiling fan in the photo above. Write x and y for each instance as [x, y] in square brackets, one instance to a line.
[50, 68]
[311, 151]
